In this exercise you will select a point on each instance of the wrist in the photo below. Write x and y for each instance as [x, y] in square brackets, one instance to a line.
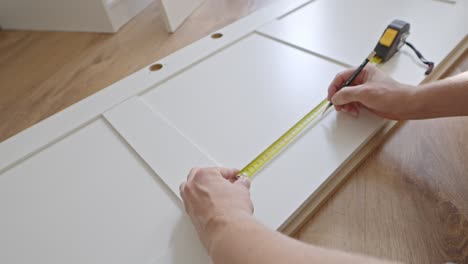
[416, 102]
[222, 225]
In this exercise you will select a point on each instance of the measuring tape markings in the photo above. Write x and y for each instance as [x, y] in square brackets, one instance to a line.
[283, 141]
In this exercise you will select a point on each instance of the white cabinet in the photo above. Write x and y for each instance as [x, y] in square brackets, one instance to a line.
[176, 11]
[69, 15]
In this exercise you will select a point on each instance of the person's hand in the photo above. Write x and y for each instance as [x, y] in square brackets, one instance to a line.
[212, 194]
[374, 90]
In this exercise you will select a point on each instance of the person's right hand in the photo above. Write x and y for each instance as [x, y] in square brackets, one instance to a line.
[214, 196]
[374, 90]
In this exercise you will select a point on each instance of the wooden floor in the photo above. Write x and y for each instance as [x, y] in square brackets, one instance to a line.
[407, 202]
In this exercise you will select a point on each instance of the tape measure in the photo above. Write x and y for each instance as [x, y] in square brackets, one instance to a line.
[393, 38]
[269, 153]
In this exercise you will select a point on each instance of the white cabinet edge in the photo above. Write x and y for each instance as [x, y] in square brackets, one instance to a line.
[122, 11]
[177, 11]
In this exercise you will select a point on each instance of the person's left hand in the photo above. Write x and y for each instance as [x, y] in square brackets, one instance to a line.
[212, 195]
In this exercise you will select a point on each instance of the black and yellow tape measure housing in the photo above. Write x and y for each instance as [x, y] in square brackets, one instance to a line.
[393, 38]
[391, 41]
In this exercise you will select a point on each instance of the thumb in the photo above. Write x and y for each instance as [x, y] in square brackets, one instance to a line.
[348, 95]
[244, 181]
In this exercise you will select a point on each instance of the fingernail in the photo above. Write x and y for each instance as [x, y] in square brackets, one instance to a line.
[243, 178]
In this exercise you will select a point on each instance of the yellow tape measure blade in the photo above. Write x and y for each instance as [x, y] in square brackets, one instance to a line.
[282, 142]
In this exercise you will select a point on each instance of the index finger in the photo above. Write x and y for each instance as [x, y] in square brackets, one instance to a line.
[229, 173]
[338, 81]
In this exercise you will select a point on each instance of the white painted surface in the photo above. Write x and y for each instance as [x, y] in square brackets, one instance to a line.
[68, 15]
[283, 186]
[348, 30]
[177, 11]
[75, 191]
[233, 105]
[90, 199]
[161, 145]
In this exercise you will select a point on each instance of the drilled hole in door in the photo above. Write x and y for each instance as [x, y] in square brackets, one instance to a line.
[216, 35]
[156, 67]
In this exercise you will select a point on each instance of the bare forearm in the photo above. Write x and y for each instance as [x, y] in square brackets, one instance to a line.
[242, 240]
[448, 97]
